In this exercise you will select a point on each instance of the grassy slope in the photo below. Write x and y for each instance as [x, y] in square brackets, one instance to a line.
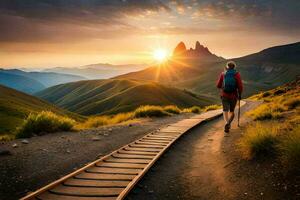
[116, 95]
[260, 71]
[15, 106]
[20, 82]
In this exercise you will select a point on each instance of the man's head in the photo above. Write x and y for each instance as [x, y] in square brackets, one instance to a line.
[230, 65]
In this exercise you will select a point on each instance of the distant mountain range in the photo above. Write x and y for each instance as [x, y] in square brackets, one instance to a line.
[195, 69]
[198, 69]
[31, 82]
[97, 71]
[15, 106]
[117, 95]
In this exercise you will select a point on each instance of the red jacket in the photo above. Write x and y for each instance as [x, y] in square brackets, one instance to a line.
[233, 95]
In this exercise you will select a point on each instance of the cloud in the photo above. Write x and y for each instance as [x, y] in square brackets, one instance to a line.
[70, 20]
[77, 20]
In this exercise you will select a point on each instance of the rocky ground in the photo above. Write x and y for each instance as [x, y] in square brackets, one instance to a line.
[27, 165]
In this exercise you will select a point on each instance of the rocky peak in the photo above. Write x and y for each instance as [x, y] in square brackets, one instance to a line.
[180, 49]
[200, 52]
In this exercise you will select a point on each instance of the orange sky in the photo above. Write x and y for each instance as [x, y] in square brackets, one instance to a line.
[121, 32]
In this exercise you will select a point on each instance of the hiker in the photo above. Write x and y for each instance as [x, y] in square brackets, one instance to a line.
[231, 88]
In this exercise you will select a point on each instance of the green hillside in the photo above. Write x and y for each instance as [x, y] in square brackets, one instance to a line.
[260, 71]
[15, 106]
[116, 95]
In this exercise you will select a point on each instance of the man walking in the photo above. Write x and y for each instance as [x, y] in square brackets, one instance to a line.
[231, 87]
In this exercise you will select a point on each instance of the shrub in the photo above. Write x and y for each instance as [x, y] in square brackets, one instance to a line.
[292, 103]
[7, 137]
[150, 111]
[172, 109]
[94, 122]
[289, 147]
[266, 94]
[194, 109]
[279, 91]
[44, 122]
[258, 140]
[265, 112]
[212, 107]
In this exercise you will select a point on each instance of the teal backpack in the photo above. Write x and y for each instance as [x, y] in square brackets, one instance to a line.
[229, 82]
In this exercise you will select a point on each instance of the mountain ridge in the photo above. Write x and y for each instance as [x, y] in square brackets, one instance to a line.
[116, 95]
[15, 106]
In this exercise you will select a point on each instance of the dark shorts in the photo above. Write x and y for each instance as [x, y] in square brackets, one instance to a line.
[228, 104]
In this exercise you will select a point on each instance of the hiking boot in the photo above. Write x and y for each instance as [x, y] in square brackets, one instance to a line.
[226, 128]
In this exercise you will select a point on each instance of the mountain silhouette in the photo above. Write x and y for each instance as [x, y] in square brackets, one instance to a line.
[199, 69]
[199, 52]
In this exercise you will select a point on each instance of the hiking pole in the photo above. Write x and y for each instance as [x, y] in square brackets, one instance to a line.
[239, 112]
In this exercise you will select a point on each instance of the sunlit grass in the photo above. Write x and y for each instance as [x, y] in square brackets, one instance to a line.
[259, 139]
[211, 107]
[44, 122]
[150, 111]
[194, 109]
[289, 147]
[267, 112]
[97, 121]
[172, 109]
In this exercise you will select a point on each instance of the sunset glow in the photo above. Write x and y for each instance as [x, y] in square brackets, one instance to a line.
[160, 55]
[120, 32]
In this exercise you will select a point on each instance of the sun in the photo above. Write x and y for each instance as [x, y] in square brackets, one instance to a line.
[160, 55]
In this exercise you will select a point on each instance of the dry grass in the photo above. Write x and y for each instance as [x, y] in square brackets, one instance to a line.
[267, 112]
[292, 103]
[258, 140]
[289, 148]
[150, 111]
[212, 107]
[194, 109]
[97, 121]
[172, 109]
[44, 122]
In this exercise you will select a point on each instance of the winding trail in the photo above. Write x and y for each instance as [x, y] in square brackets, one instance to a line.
[113, 176]
[205, 165]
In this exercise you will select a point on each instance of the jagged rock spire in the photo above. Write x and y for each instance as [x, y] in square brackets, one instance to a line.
[180, 49]
[198, 45]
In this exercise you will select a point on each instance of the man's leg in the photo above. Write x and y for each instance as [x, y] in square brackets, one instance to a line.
[225, 115]
[226, 108]
[231, 114]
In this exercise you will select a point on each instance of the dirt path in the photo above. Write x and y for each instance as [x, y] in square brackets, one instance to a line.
[47, 158]
[205, 165]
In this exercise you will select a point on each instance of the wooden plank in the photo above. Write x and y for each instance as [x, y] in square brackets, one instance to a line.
[155, 141]
[121, 165]
[128, 160]
[146, 146]
[113, 170]
[150, 143]
[95, 183]
[51, 196]
[87, 191]
[118, 155]
[123, 151]
[142, 149]
[180, 129]
[97, 176]
[150, 137]
[163, 135]
[170, 131]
